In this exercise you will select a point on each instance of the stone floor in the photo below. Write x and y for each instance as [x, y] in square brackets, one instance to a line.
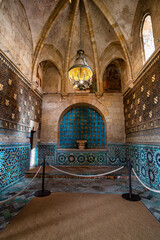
[101, 185]
[81, 170]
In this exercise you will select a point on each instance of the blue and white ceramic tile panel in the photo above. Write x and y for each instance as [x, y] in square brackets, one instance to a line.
[116, 154]
[145, 160]
[46, 150]
[74, 157]
[14, 162]
[82, 123]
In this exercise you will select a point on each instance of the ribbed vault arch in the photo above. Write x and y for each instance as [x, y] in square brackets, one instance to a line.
[61, 5]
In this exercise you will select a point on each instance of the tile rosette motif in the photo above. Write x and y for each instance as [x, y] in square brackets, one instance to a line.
[81, 158]
[146, 162]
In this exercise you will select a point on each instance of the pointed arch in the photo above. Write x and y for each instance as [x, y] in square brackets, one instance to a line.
[147, 38]
[47, 27]
[105, 11]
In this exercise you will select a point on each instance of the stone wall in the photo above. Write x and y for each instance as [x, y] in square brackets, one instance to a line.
[110, 106]
[19, 105]
[16, 38]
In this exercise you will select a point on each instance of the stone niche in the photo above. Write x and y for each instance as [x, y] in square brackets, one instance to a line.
[82, 126]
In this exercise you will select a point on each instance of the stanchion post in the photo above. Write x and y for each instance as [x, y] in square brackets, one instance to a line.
[129, 196]
[43, 192]
[130, 181]
[43, 176]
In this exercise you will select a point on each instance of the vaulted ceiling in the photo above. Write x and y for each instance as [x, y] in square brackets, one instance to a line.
[122, 11]
[58, 28]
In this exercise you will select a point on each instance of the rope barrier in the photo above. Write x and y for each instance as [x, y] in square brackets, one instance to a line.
[153, 190]
[86, 176]
[1, 202]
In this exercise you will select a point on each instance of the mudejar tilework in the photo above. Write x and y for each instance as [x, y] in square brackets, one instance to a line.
[141, 104]
[82, 123]
[19, 104]
[14, 162]
[145, 160]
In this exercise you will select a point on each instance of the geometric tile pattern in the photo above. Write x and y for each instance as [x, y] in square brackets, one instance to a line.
[114, 155]
[82, 123]
[146, 162]
[47, 151]
[72, 157]
[14, 162]
[142, 103]
[145, 159]
[18, 102]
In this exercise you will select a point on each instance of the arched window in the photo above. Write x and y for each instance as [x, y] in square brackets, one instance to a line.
[147, 37]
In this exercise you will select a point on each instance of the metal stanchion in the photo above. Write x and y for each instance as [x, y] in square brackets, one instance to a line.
[43, 192]
[130, 196]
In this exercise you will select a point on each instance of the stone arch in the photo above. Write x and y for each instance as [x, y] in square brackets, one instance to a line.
[115, 52]
[122, 66]
[49, 53]
[51, 77]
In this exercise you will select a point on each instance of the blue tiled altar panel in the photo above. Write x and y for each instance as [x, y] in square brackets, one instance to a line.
[14, 162]
[73, 157]
[115, 154]
[146, 162]
[82, 123]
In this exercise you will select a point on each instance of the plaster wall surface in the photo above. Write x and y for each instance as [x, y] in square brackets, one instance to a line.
[110, 105]
[16, 39]
[52, 80]
[123, 12]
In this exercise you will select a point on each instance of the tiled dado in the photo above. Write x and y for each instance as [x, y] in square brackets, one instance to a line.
[115, 154]
[146, 162]
[14, 162]
[81, 157]
[46, 150]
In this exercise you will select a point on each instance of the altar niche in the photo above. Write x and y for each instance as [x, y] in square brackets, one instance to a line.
[82, 123]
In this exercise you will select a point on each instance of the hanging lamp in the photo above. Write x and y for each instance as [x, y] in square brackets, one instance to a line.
[80, 74]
